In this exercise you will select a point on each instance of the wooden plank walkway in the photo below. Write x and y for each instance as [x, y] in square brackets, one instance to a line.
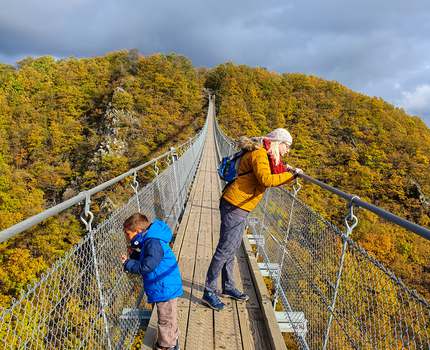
[240, 325]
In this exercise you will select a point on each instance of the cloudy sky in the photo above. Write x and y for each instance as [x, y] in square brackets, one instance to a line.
[380, 48]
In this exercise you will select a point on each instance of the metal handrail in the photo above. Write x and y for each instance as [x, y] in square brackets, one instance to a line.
[419, 230]
[81, 196]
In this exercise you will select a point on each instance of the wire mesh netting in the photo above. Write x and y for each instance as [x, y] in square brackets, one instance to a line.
[373, 308]
[86, 301]
[348, 299]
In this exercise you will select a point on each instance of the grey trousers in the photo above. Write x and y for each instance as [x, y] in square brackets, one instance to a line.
[231, 232]
[168, 331]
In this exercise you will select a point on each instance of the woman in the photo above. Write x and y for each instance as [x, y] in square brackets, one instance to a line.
[260, 167]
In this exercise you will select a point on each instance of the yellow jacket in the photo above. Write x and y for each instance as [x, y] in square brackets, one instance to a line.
[247, 190]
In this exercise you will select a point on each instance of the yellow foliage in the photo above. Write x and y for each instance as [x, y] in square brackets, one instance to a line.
[68, 125]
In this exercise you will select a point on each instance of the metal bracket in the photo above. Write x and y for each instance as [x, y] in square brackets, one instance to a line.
[258, 240]
[87, 216]
[351, 221]
[135, 183]
[292, 322]
[129, 314]
[296, 187]
[135, 186]
[174, 154]
[156, 168]
[269, 269]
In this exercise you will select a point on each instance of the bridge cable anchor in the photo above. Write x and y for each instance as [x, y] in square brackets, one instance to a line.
[135, 186]
[87, 216]
[160, 210]
[156, 168]
[178, 204]
[351, 221]
[173, 154]
[297, 186]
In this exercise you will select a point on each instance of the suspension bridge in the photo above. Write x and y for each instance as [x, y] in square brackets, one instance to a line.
[326, 291]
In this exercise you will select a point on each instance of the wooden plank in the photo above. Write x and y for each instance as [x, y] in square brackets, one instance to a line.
[253, 329]
[190, 252]
[273, 332]
[241, 308]
[151, 331]
[200, 332]
[258, 332]
[186, 266]
[245, 327]
[183, 224]
[227, 329]
[203, 255]
[187, 270]
[245, 280]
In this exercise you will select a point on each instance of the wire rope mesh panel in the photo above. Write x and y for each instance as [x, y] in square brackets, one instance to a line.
[224, 145]
[85, 300]
[373, 308]
[60, 309]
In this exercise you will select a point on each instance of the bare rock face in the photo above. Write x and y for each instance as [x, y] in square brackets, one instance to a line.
[112, 131]
[69, 193]
[424, 200]
[111, 144]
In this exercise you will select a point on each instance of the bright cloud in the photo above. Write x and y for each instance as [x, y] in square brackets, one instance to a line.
[418, 100]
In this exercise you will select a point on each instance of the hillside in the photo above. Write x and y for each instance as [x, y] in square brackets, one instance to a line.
[67, 125]
[360, 144]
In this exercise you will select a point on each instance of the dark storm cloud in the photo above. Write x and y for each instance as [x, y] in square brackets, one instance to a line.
[376, 47]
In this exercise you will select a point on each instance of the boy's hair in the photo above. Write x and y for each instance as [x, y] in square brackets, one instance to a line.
[135, 222]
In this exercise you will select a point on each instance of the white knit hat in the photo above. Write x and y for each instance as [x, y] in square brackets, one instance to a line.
[280, 135]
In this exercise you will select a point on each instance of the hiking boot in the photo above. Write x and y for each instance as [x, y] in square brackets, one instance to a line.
[212, 300]
[235, 294]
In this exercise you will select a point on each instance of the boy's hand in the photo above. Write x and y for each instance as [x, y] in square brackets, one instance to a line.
[123, 258]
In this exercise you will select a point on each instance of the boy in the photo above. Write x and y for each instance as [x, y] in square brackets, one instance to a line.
[157, 265]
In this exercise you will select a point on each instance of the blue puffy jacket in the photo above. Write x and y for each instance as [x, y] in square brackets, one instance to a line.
[157, 264]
